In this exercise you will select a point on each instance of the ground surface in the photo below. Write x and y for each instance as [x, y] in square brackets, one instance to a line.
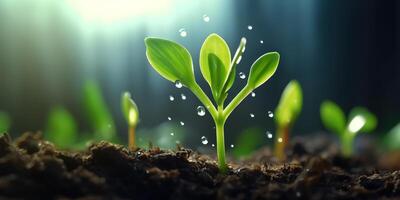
[31, 168]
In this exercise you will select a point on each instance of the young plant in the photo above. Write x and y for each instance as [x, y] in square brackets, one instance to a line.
[286, 113]
[174, 62]
[131, 114]
[5, 122]
[61, 128]
[359, 120]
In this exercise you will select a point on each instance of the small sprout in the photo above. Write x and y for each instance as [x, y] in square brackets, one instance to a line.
[131, 114]
[359, 120]
[286, 114]
[391, 141]
[173, 62]
[5, 122]
[61, 128]
[248, 141]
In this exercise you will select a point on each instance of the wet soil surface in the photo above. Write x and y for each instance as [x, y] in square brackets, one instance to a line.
[31, 168]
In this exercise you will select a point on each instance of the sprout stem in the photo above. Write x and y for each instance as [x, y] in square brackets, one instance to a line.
[279, 151]
[347, 143]
[131, 137]
[219, 126]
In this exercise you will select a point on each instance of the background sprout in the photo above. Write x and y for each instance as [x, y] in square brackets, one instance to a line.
[97, 113]
[286, 114]
[248, 141]
[173, 62]
[359, 120]
[391, 141]
[5, 122]
[61, 128]
[131, 114]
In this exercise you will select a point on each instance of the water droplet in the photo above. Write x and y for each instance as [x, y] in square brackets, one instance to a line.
[206, 18]
[178, 84]
[232, 145]
[182, 123]
[172, 134]
[238, 60]
[201, 111]
[298, 194]
[270, 114]
[242, 75]
[183, 96]
[204, 140]
[280, 140]
[253, 94]
[169, 118]
[213, 145]
[250, 27]
[269, 134]
[171, 98]
[251, 115]
[182, 32]
[262, 41]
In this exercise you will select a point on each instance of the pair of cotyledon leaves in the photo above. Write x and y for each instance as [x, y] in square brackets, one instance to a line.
[334, 119]
[174, 62]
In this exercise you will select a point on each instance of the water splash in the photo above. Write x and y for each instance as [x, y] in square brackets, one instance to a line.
[242, 75]
[182, 32]
[204, 140]
[201, 111]
[178, 84]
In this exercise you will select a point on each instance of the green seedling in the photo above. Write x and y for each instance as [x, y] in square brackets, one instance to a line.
[248, 141]
[391, 141]
[359, 120]
[131, 114]
[174, 62]
[61, 128]
[286, 113]
[5, 122]
[98, 114]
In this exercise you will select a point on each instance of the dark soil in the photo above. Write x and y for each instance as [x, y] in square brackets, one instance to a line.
[31, 168]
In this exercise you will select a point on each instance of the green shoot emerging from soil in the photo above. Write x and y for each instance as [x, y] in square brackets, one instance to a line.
[5, 122]
[286, 114]
[173, 62]
[131, 114]
[359, 120]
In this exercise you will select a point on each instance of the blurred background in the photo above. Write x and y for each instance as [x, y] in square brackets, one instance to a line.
[347, 51]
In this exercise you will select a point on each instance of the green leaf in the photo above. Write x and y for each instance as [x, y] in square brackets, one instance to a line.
[290, 104]
[171, 60]
[130, 110]
[262, 69]
[61, 128]
[5, 122]
[215, 63]
[367, 120]
[333, 117]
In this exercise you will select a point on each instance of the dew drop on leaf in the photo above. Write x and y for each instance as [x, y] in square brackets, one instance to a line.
[204, 140]
[183, 96]
[182, 32]
[270, 114]
[206, 18]
[242, 75]
[201, 111]
[171, 98]
[178, 84]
